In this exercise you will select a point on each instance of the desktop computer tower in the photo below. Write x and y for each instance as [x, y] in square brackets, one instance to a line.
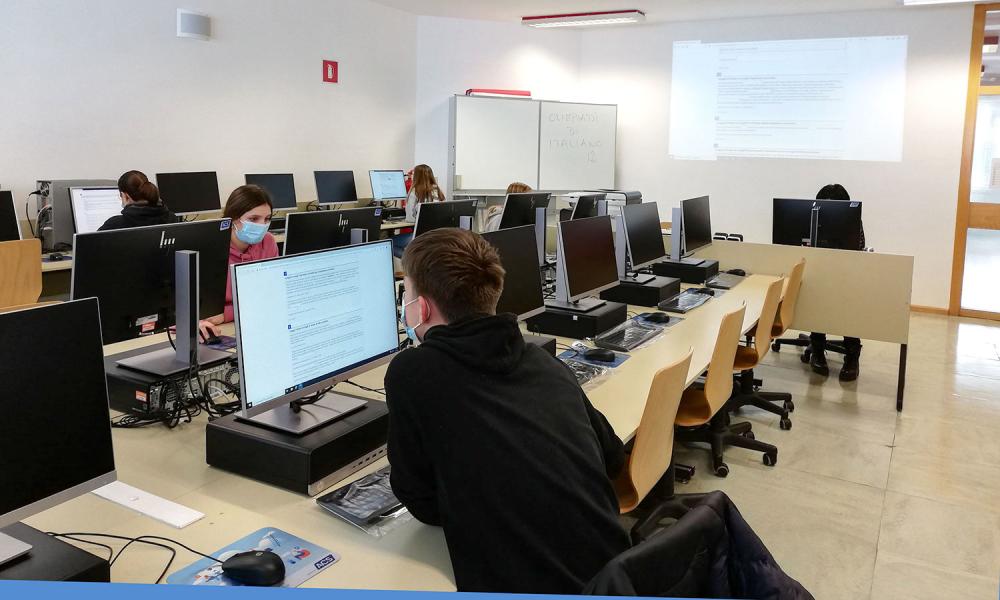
[644, 294]
[55, 225]
[687, 272]
[578, 325]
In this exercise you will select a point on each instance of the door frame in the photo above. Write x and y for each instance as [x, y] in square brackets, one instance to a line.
[971, 214]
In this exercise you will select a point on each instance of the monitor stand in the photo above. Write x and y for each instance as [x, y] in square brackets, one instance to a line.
[12, 548]
[637, 279]
[168, 361]
[584, 305]
[327, 409]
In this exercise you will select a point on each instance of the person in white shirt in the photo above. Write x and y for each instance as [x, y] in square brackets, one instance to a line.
[495, 212]
[424, 189]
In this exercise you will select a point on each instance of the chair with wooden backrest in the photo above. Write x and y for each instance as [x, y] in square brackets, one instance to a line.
[751, 355]
[649, 465]
[20, 272]
[701, 416]
[786, 309]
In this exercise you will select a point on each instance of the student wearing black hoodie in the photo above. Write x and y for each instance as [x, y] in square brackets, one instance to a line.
[140, 204]
[492, 438]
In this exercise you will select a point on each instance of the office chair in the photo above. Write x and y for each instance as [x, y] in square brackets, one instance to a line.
[751, 355]
[20, 272]
[702, 416]
[783, 320]
[648, 476]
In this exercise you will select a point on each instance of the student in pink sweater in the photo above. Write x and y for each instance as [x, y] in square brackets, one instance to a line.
[250, 208]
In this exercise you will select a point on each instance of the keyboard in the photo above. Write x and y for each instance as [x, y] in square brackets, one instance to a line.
[363, 502]
[626, 337]
[724, 281]
[684, 302]
[582, 371]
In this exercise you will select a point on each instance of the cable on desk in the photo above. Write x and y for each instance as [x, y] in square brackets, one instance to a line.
[142, 539]
[380, 391]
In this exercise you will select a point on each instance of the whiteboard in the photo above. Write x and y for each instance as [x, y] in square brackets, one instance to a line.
[496, 142]
[577, 146]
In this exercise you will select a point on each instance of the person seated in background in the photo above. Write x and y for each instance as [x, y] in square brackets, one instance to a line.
[492, 438]
[141, 204]
[424, 189]
[817, 341]
[250, 207]
[495, 212]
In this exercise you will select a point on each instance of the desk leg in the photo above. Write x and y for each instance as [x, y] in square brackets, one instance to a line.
[902, 378]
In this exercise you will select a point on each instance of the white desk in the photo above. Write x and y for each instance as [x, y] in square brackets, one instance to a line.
[171, 463]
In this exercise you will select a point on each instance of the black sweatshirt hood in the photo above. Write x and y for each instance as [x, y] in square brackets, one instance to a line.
[483, 342]
[139, 215]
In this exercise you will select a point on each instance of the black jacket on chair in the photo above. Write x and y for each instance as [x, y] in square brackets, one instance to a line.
[710, 552]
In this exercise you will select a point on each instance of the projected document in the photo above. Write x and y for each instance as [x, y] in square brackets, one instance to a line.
[840, 98]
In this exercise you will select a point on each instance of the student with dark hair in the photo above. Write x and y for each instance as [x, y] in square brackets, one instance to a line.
[852, 358]
[141, 204]
[250, 208]
[492, 438]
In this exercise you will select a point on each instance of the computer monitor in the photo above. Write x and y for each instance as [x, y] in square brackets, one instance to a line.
[520, 209]
[55, 434]
[585, 264]
[281, 187]
[189, 193]
[308, 321]
[335, 187]
[387, 185]
[643, 237]
[522, 284]
[435, 215]
[131, 271]
[586, 206]
[325, 229]
[837, 223]
[93, 206]
[10, 227]
[697, 223]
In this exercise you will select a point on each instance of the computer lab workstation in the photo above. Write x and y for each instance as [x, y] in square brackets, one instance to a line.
[196, 443]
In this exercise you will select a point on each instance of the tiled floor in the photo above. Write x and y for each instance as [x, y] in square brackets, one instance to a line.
[867, 503]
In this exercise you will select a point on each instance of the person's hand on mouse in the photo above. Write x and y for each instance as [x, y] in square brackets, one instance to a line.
[208, 329]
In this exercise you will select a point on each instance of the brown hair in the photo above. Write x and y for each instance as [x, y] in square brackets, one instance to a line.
[424, 184]
[518, 188]
[139, 188]
[457, 269]
[246, 198]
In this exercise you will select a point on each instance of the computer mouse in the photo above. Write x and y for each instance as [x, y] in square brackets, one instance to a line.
[706, 291]
[257, 567]
[657, 317]
[213, 340]
[57, 256]
[737, 272]
[600, 355]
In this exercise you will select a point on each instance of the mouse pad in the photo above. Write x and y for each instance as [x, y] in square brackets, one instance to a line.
[619, 359]
[302, 559]
[226, 342]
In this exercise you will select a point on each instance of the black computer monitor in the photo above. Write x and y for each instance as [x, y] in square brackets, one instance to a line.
[522, 284]
[435, 215]
[55, 434]
[586, 206]
[697, 223]
[187, 193]
[335, 187]
[519, 209]
[839, 223]
[642, 234]
[131, 271]
[324, 229]
[281, 187]
[387, 184]
[585, 265]
[333, 316]
[10, 228]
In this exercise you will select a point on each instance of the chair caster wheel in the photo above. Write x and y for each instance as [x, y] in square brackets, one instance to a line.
[789, 406]
[776, 347]
[722, 470]
[785, 424]
[770, 460]
[805, 356]
[749, 435]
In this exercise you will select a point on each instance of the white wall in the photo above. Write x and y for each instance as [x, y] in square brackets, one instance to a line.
[909, 207]
[92, 89]
[454, 55]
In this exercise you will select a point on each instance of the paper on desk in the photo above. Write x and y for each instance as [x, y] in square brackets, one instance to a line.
[302, 559]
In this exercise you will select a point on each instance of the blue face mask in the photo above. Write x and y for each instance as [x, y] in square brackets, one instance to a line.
[411, 332]
[251, 233]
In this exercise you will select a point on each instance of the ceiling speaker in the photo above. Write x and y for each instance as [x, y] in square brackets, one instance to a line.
[193, 25]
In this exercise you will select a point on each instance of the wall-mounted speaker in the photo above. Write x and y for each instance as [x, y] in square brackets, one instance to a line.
[193, 25]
